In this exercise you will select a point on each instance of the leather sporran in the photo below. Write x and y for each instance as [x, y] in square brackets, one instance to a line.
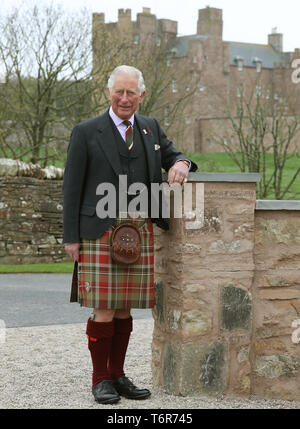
[126, 244]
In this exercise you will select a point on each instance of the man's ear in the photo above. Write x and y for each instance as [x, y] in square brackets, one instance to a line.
[108, 92]
[142, 96]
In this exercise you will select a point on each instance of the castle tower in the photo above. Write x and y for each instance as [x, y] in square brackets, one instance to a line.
[147, 25]
[124, 20]
[210, 22]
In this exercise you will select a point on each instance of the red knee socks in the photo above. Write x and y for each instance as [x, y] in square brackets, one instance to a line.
[122, 331]
[100, 336]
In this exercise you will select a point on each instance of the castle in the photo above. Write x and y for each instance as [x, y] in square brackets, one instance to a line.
[220, 70]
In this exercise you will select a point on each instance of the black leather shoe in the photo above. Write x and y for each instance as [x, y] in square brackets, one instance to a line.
[105, 393]
[126, 388]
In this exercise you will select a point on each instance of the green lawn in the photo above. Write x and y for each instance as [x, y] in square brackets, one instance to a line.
[63, 267]
[221, 163]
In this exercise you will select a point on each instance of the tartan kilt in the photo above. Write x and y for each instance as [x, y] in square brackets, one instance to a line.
[104, 284]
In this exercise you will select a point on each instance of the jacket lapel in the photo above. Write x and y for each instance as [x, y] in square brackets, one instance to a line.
[149, 143]
[107, 143]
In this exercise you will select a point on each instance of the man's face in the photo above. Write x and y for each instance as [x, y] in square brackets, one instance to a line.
[125, 96]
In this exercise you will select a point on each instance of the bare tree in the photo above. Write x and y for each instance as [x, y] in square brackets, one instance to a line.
[262, 126]
[48, 80]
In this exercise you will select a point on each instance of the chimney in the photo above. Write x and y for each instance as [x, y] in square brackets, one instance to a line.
[276, 40]
[210, 22]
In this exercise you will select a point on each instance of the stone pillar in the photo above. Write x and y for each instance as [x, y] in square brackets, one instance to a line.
[204, 273]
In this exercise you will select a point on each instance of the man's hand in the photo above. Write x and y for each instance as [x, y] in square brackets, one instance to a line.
[72, 250]
[178, 173]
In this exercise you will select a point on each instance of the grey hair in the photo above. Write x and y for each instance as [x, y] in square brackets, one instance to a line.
[127, 70]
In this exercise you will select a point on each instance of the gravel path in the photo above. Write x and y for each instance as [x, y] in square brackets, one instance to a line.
[49, 367]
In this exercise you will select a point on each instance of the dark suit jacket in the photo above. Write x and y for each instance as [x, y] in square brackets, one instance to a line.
[93, 158]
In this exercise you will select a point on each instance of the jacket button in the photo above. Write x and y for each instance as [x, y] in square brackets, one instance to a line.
[87, 286]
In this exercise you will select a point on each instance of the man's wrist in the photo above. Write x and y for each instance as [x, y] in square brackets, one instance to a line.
[188, 163]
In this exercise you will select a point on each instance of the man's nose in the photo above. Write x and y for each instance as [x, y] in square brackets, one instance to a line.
[124, 96]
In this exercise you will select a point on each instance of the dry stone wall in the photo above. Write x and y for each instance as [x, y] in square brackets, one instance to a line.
[30, 213]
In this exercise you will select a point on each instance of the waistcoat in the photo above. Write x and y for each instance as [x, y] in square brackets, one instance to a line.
[134, 163]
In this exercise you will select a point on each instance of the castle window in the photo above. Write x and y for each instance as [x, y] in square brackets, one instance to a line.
[239, 90]
[158, 41]
[169, 62]
[174, 85]
[240, 64]
[258, 67]
[201, 87]
[258, 91]
[195, 59]
[258, 63]
[268, 94]
[136, 39]
[276, 96]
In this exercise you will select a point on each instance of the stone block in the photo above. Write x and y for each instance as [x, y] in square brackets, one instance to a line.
[278, 293]
[270, 231]
[173, 319]
[196, 322]
[236, 308]
[203, 368]
[284, 278]
[161, 265]
[158, 310]
[171, 367]
[231, 247]
[194, 368]
[277, 365]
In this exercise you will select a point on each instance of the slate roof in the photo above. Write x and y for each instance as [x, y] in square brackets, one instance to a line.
[180, 45]
[248, 51]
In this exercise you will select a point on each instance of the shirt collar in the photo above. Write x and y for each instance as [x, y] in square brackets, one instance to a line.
[118, 121]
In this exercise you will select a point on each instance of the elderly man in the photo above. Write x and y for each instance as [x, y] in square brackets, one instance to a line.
[118, 143]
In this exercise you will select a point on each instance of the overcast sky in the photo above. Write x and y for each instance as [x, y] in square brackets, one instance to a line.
[243, 20]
